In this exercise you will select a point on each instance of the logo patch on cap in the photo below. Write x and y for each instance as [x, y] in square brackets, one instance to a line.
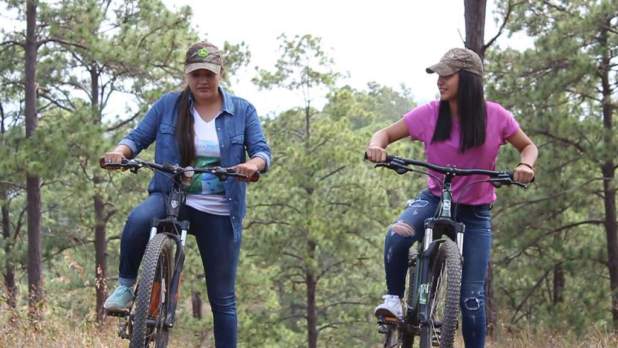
[202, 52]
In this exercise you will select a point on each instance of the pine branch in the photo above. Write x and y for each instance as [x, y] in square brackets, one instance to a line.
[509, 10]
[61, 42]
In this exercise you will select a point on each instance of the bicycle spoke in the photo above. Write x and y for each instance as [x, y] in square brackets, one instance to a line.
[434, 298]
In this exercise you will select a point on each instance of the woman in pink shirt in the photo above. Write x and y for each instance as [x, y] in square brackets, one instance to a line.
[465, 131]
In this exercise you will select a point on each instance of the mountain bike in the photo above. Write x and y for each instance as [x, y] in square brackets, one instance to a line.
[152, 315]
[435, 265]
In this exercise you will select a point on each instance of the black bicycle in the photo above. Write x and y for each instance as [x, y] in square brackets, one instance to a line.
[434, 266]
[152, 315]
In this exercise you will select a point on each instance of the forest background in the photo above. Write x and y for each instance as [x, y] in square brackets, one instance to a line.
[311, 265]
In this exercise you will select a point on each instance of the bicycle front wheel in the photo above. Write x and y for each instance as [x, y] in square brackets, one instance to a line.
[407, 339]
[443, 297]
[150, 314]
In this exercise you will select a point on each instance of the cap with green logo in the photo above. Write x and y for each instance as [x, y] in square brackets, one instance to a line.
[457, 59]
[203, 55]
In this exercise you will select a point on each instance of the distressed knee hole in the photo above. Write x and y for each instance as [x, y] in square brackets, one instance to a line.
[472, 303]
[402, 229]
[419, 203]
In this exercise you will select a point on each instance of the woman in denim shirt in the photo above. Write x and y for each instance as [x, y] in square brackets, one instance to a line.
[200, 126]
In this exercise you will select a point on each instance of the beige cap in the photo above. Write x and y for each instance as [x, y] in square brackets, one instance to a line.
[203, 55]
[457, 59]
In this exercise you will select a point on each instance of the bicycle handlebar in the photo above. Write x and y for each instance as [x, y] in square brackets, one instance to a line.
[135, 164]
[497, 178]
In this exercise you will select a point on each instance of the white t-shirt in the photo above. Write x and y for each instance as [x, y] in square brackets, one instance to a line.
[206, 192]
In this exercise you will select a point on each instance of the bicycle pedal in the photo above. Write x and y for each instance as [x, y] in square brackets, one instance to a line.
[117, 313]
[389, 320]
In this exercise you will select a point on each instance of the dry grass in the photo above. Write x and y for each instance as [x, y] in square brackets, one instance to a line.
[58, 333]
[73, 334]
[549, 339]
[50, 333]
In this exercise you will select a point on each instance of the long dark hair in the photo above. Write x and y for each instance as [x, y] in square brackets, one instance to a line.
[185, 133]
[472, 113]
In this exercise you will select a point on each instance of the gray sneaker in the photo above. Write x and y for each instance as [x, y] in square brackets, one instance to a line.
[120, 300]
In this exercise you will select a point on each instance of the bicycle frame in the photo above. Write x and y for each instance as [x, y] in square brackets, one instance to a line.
[436, 229]
[445, 227]
[170, 226]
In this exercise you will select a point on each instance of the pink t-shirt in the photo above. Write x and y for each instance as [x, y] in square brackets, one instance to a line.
[421, 122]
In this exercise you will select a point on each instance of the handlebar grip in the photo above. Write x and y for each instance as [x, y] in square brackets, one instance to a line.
[106, 165]
[389, 158]
[254, 178]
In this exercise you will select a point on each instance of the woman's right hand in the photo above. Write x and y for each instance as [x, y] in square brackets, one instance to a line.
[375, 153]
[112, 157]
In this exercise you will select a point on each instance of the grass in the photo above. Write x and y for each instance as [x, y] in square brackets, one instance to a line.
[73, 333]
[551, 339]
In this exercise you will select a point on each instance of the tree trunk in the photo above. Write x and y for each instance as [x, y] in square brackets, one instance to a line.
[310, 275]
[100, 251]
[609, 171]
[312, 313]
[100, 220]
[559, 282]
[490, 307]
[609, 191]
[9, 266]
[196, 305]
[35, 276]
[474, 15]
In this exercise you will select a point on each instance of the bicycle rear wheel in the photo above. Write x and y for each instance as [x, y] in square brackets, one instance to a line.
[153, 295]
[444, 293]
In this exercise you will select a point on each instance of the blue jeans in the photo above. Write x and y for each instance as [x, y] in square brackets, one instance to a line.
[476, 252]
[218, 248]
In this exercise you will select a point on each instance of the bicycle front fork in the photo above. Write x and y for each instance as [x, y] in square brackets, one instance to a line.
[428, 238]
[183, 235]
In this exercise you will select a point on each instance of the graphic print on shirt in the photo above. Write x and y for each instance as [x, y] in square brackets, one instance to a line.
[207, 156]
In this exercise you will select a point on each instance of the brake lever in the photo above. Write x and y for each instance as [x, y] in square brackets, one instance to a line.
[524, 186]
[497, 183]
[398, 168]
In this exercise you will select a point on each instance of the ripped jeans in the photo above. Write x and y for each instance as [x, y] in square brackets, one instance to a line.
[477, 247]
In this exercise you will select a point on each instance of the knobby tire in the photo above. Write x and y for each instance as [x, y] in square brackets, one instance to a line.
[157, 266]
[444, 294]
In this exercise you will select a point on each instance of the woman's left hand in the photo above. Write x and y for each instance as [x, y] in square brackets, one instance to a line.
[247, 169]
[523, 174]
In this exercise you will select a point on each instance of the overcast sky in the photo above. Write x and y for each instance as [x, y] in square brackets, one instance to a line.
[387, 41]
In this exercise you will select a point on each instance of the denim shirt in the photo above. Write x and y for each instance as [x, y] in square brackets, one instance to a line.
[238, 129]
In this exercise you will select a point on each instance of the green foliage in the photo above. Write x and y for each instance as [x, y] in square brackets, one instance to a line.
[303, 66]
[381, 105]
[556, 91]
[317, 219]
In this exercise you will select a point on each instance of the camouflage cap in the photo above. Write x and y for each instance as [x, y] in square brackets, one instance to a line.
[457, 59]
[203, 55]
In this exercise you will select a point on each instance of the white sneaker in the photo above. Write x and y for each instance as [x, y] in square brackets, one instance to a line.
[390, 308]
